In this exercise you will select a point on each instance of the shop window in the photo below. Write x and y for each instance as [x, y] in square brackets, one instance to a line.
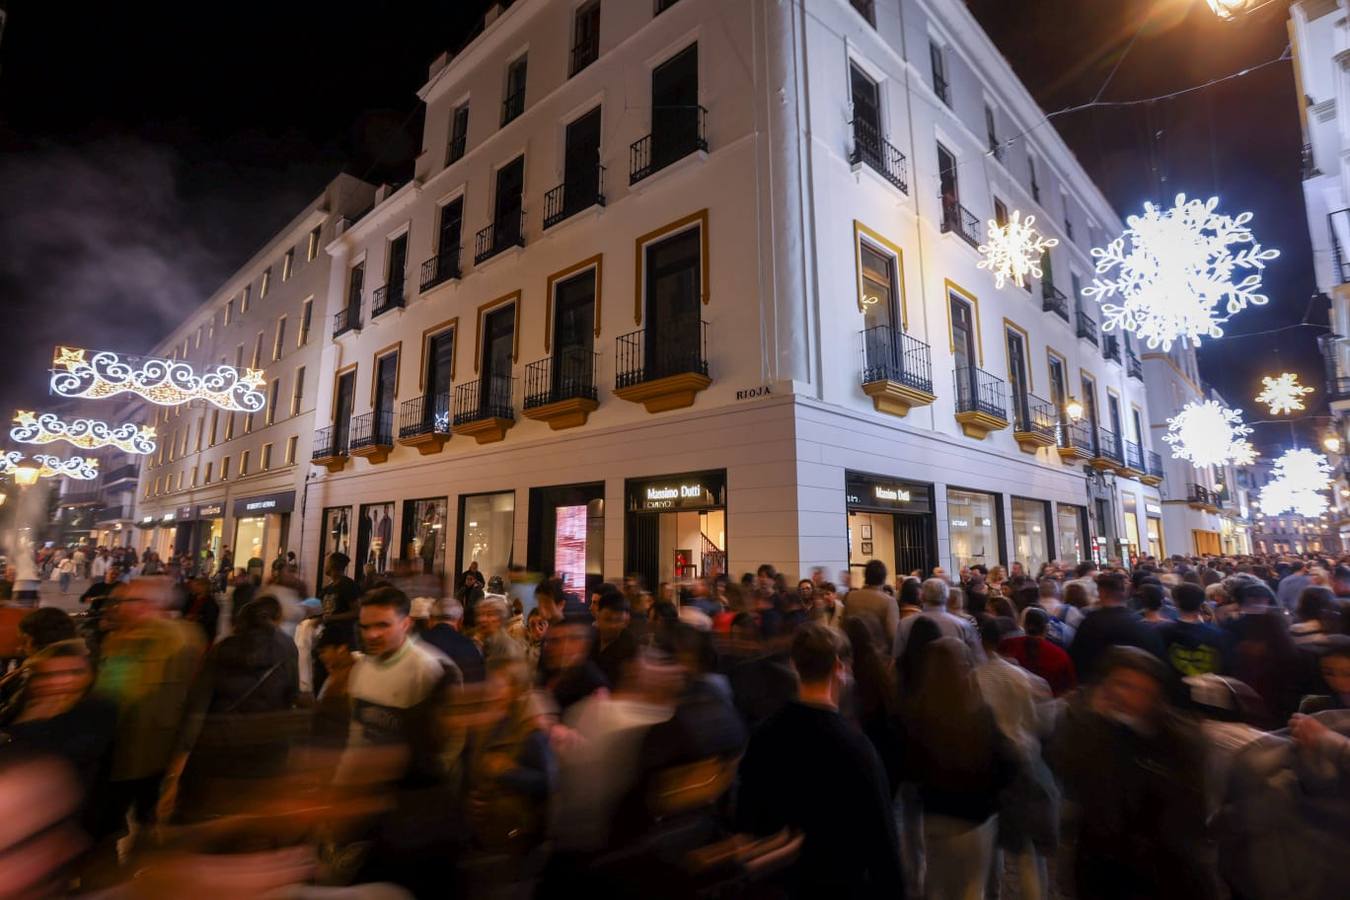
[336, 536]
[1031, 533]
[676, 527]
[1071, 533]
[375, 534]
[974, 525]
[486, 531]
[567, 534]
[425, 531]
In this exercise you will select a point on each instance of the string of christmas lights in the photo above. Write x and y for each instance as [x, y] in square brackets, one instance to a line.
[162, 382]
[87, 434]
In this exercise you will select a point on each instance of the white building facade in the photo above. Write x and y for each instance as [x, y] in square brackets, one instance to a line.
[692, 285]
[236, 480]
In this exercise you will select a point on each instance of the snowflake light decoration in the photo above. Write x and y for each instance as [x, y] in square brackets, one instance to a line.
[1299, 478]
[1209, 434]
[1014, 250]
[161, 381]
[1282, 393]
[1180, 264]
[87, 434]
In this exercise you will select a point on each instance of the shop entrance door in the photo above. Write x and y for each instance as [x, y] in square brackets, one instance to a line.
[914, 548]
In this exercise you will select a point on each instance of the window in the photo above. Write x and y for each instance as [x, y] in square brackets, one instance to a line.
[266, 282]
[991, 132]
[677, 124]
[1030, 532]
[156, 490]
[1035, 185]
[939, 66]
[449, 228]
[257, 350]
[581, 170]
[1077, 287]
[181, 473]
[866, 9]
[440, 363]
[974, 526]
[878, 289]
[248, 423]
[312, 248]
[663, 5]
[225, 469]
[1068, 222]
[397, 274]
[287, 264]
[356, 277]
[215, 421]
[673, 279]
[1059, 387]
[386, 389]
[243, 462]
[201, 431]
[278, 344]
[273, 396]
[306, 317]
[298, 393]
[211, 328]
[1016, 345]
[210, 468]
[574, 335]
[244, 299]
[514, 102]
[1000, 212]
[229, 310]
[292, 443]
[459, 133]
[239, 356]
[198, 345]
[265, 458]
[194, 476]
[586, 36]
[229, 426]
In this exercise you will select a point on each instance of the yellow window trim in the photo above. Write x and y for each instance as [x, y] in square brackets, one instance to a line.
[951, 287]
[394, 349]
[513, 297]
[861, 231]
[701, 218]
[596, 262]
[337, 378]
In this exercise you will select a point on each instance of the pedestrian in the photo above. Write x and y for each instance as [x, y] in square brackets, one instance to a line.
[935, 595]
[1110, 624]
[871, 600]
[1034, 652]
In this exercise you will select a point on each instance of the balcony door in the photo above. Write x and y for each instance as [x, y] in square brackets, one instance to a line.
[342, 409]
[1090, 408]
[440, 362]
[386, 386]
[866, 113]
[674, 283]
[879, 318]
[947, 185]
[581, 162]
[448, 237]
[1059, 388]
[963, 348]
[1017, 372]
[675, 107]
[1113, 409]
[398, 267]
[499, 332]
[355, 284]
[506, 211]
[573, 335]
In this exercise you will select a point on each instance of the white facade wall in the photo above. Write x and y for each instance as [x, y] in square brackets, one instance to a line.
[782, 206]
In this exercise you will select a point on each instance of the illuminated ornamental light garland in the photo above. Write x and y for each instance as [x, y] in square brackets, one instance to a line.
[88, 434]
[1282, 393]
[1300, 477]
[77, 467]
[1174, 267]
[161, 381]
[9, 459]
[1230, 9]
[1209, 434]
[1014, 250]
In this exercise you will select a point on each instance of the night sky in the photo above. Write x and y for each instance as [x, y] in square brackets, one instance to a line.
[147, 150]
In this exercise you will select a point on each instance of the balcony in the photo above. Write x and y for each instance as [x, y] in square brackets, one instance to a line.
[685, 132]
[499, 236]
[1133, 367]
[585, 51]
[373, 436]
[121, 473]
[960, 221]
[483, 408]
[981, 402]
[897, 370]
[560, 389]
[571, 197]
[81, 498]
[387, 297]
[1110, 452]
[1134, 460]
[1087, 327]
[879, 154]
[942, 88]
[1153, 472]
[347, 319]
[454, 151]
[114, 514]
[1201, 498]
[513, 105]
[330, 449]
[1035, 423]
[440, 268]
[1307, 165]
[1336, 360]
[424, 423]
[1338, 226]
[1111, 347]
[1076, 440]
[1054, 301]
[662, 371]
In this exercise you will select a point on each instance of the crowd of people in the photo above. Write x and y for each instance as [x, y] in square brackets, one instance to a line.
[1166, 728]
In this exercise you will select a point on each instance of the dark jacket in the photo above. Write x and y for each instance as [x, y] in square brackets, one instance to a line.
[465, 653]
[1104, 628]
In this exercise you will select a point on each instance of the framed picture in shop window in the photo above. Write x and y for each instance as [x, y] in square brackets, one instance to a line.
[866, 547]
[867, 532]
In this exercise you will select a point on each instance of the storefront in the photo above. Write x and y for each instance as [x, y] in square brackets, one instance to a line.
[1207, 542]
[1031, 533]
[675, 526]
[567, 535]
[892, 521]
[261, 528]
[486, 530]
[209, 529]
[1130, 543]
[424, 534]
[165, 534]
[374, 537]
[1153, 524]
[1071, 533]
[975, 528]
[184, 531]
[336, 537]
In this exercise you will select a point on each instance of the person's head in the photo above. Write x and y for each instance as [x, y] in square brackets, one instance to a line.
[140, 599]
[1334, 664]
[334, 645]
[827, 595]
[385, 621]
[43, 627]
[1314, 603]
[1085, 569]
[1253, 595]
[550, 597]
[490, 616]
[992, 631]
[59, 670]
[1189, 598]
[874, 573]
[805, 588]
[910, 590]
[336, 565]
[1111, 589]
[1018, 570]
[1340, 580]
[612, 614]
[1131, 687]
[260, 613]
[934, 592]
[1047, 590]
[113, 574]
[1151, 597]
[496, 585]
[567, 643]
[1035, 620]
[536, 626]
[815, 655]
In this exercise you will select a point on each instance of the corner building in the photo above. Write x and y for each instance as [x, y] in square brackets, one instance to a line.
[694, 284]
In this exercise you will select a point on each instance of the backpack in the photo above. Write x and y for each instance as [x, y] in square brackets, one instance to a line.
[1057, 631]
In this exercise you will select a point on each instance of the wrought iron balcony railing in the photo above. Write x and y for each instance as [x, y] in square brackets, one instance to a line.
[979, 391]
[1155, 468]
[1338, 223]
[1134, 456]
[1111, 347]
[374, 429]
[387, 297]
[1053, 300]
[484, 398]
[569, 375]
[942, 89]
[1035, 415]
[879, 154]
[891, 355]
[1133, 367]
[1307, 165]
[585, 51]
[440, 268]
[499, 236]
[513, 105]
[960, 221]
[454, 151]
[347, 319]
[642, 356]
[1110, 446]
[682, 131]
[121, 473]
[427, 414]
[1087, 326]
[1336, 359]
[575, 195]
[1076, 434]
[1201, 495]
[329, 442]
[113, 513]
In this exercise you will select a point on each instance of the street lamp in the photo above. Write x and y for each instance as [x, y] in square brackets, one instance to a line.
[1331, 443]
[26, 474]
[1074, 409]
[1229, 10]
